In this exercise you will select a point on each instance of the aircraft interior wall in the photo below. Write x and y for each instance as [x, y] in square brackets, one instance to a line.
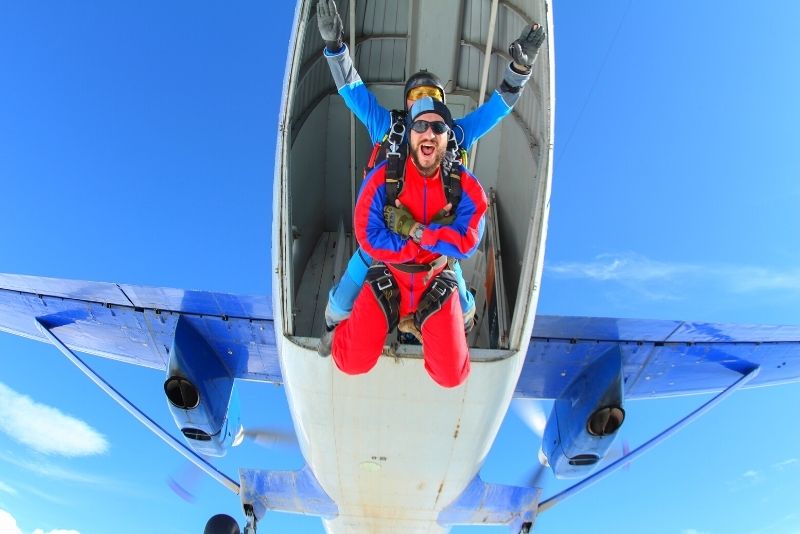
[307, 164]
[323, 176]
[515, 195]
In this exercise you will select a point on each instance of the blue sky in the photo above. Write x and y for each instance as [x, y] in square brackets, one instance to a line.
[137, 143]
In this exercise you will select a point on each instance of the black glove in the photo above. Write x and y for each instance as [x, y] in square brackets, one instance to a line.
[330, 25]
[524, 50]
[444, 217]
[399, 220]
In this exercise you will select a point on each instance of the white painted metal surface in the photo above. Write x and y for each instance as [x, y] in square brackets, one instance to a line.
[391, 447]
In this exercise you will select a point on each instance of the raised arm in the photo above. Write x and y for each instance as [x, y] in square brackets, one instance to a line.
[523, 52]
[356, 96]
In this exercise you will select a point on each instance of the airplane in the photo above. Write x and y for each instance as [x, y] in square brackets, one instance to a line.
[76, 309]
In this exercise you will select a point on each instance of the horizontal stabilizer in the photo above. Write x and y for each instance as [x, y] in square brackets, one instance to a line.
[295, 492]
[492, 504]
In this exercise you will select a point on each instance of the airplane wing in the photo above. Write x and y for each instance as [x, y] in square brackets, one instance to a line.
[659, 358]
[136, 324]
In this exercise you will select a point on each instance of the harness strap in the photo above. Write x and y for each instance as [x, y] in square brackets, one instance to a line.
[451, 172]
[395, 156]
[414, 268]
[386, 292]
[441, 289]
[394, 150]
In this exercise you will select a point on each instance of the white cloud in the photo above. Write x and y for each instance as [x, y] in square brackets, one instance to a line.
[23, 488]
[751, 474]
[620, 267]
[645, 275]
[46, 429]
[780, 466]
[5, 488]
[44, 468]
[8, 525]
[748, 479]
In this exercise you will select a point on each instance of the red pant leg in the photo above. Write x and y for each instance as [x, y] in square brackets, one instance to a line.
[358, 340]
[444, 345]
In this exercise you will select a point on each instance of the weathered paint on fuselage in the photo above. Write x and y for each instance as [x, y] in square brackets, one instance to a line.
[391, 447]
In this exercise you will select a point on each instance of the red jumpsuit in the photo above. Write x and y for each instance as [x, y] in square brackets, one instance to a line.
[358, 340]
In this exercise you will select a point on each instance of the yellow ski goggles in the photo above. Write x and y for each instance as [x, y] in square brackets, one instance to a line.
[425, 90]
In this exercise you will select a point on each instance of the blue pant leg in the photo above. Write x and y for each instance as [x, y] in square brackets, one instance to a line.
[343, 294]
[464, 295]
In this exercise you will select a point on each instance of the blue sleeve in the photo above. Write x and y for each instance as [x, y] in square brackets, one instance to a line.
[356, 96]
[363, 103]
[476, 124]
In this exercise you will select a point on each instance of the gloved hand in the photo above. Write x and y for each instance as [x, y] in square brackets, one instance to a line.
[398, 220]
[444, 217]
[524, 50]
[330, 25]
[444, 220]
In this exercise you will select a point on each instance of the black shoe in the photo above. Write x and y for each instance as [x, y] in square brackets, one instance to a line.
[404, 338]
[325, 342]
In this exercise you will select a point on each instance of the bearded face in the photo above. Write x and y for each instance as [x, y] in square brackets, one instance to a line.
[427, 148]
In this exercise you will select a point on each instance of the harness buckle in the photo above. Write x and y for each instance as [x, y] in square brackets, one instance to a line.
[399, 128]
[384, 282]
[438, 288]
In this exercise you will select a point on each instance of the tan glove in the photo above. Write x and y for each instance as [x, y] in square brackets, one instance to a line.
[398, 220]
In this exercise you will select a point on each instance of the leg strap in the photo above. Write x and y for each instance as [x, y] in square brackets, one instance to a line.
[386, 292]
[441, 289]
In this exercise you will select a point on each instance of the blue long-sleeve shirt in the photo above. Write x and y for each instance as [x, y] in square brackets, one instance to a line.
[378, 119]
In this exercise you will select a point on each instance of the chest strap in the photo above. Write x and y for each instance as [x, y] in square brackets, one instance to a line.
[396, 152]
[428, 268]
[451, 171]
[414, 268]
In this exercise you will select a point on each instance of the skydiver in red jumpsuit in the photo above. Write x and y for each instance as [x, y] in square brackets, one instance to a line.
[411, 282]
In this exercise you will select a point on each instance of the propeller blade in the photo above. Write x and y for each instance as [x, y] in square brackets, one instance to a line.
[531, 412]
[536, 479]
[184, 481]
[268, 437]
[179, 490]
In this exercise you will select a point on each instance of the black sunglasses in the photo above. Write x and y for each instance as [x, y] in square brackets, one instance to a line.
[421, 126]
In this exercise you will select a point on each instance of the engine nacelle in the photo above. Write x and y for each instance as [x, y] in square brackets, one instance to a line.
[201, 393]
[585, 419]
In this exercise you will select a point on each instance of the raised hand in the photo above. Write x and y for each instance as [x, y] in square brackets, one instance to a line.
[330, 24]
[525, 49]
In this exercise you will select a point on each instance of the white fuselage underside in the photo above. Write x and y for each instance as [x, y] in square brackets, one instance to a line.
[391, 447]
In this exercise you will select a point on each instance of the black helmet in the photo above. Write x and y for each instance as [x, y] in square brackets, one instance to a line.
[424, 78]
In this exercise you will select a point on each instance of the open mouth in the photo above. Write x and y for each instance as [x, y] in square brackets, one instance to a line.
[427, 149]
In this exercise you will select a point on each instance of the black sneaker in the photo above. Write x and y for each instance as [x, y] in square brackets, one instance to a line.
[404, 338]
